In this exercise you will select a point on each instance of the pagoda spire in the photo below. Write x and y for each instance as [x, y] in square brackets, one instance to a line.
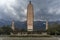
[30, 17]
[13, 28]
[30, 1]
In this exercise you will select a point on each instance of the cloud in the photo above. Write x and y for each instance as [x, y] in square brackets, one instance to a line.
[48, 8]
[17, 9]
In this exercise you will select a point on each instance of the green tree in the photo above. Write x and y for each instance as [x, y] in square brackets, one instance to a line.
[54, 28]
[6, 30]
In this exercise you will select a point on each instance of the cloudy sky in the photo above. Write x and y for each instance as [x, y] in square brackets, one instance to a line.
[17, 9]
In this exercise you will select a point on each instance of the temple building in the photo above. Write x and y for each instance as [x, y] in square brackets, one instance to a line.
[30, 17]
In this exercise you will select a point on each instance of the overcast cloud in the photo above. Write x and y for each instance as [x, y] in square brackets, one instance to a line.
[17, 9]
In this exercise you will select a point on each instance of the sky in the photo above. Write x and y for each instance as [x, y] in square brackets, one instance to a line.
[17, 10]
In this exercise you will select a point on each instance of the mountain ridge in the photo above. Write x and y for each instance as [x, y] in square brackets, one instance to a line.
[38, 25]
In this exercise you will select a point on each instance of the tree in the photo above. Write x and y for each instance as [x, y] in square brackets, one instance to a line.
[54, 29]
[5, 30]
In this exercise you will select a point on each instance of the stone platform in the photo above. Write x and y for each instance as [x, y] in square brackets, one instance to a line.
[27, 38]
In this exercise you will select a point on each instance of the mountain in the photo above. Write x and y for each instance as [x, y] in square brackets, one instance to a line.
[4, 22]
[38, 25]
